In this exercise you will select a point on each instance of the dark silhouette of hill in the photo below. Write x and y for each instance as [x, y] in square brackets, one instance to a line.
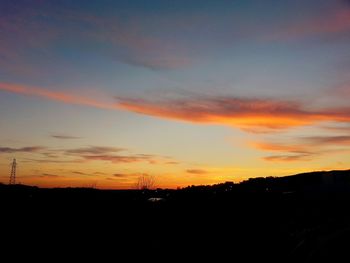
[298, 218]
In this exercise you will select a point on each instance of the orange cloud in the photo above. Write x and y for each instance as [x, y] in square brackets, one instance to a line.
[288, 158]
[297, 152]
[305, 148]
[238, 112]
[265, 146]
[244, 113]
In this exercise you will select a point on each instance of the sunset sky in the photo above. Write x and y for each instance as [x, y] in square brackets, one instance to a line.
[97, 93]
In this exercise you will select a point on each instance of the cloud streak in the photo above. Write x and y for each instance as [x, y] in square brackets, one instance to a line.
[304, 148]
[31, 149]
[196, 171]
[288, 158]
[86, 154]
[79, 173]
[94, 150]
[55, 95]
[279, 147]
[243, 113]
[76, 161]
[64, 137]
[120, 158]
[47, 175]
[327, 140]
[110, 154]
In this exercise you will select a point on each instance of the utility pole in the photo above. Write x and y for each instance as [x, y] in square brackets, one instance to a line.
[13, 172]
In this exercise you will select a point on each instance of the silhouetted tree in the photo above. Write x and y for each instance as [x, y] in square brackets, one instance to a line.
[145, 182]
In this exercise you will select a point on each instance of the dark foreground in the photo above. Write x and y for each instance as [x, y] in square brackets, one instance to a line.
[302, 218]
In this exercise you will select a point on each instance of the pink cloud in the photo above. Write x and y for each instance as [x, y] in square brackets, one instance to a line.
[342, 91]
[332, 23]
[55, 95]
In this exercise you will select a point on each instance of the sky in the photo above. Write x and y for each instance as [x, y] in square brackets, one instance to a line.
[99, 93]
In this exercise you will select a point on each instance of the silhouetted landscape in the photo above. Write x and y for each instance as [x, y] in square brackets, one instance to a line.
[298, 218]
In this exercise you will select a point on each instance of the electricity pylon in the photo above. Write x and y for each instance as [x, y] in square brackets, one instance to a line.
[13, 172]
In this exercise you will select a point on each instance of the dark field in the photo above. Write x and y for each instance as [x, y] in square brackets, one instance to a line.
[301, 218]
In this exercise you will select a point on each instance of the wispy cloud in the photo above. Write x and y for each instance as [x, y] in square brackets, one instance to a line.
[23, 30]
[128, 176]
[86, 154]
[280, 147]
[331, 23]
[120, 175]
[61, 96]
[111, 154]
[342, 90]
[327, 140]
[64, 137]
[60, 161]
[124, 38]
[164, 61]
[259, 114]
[172, 162]
[30, 149]
[304, 148]
[196, 171]
[130, 43]
[288, 158]
[47, 175]
[94, 150]
[79, 173]
[50, 154]
[119, 158]
[337, 128]
[245, 113]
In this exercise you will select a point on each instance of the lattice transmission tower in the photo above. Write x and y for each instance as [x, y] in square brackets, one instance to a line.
[13, 172]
